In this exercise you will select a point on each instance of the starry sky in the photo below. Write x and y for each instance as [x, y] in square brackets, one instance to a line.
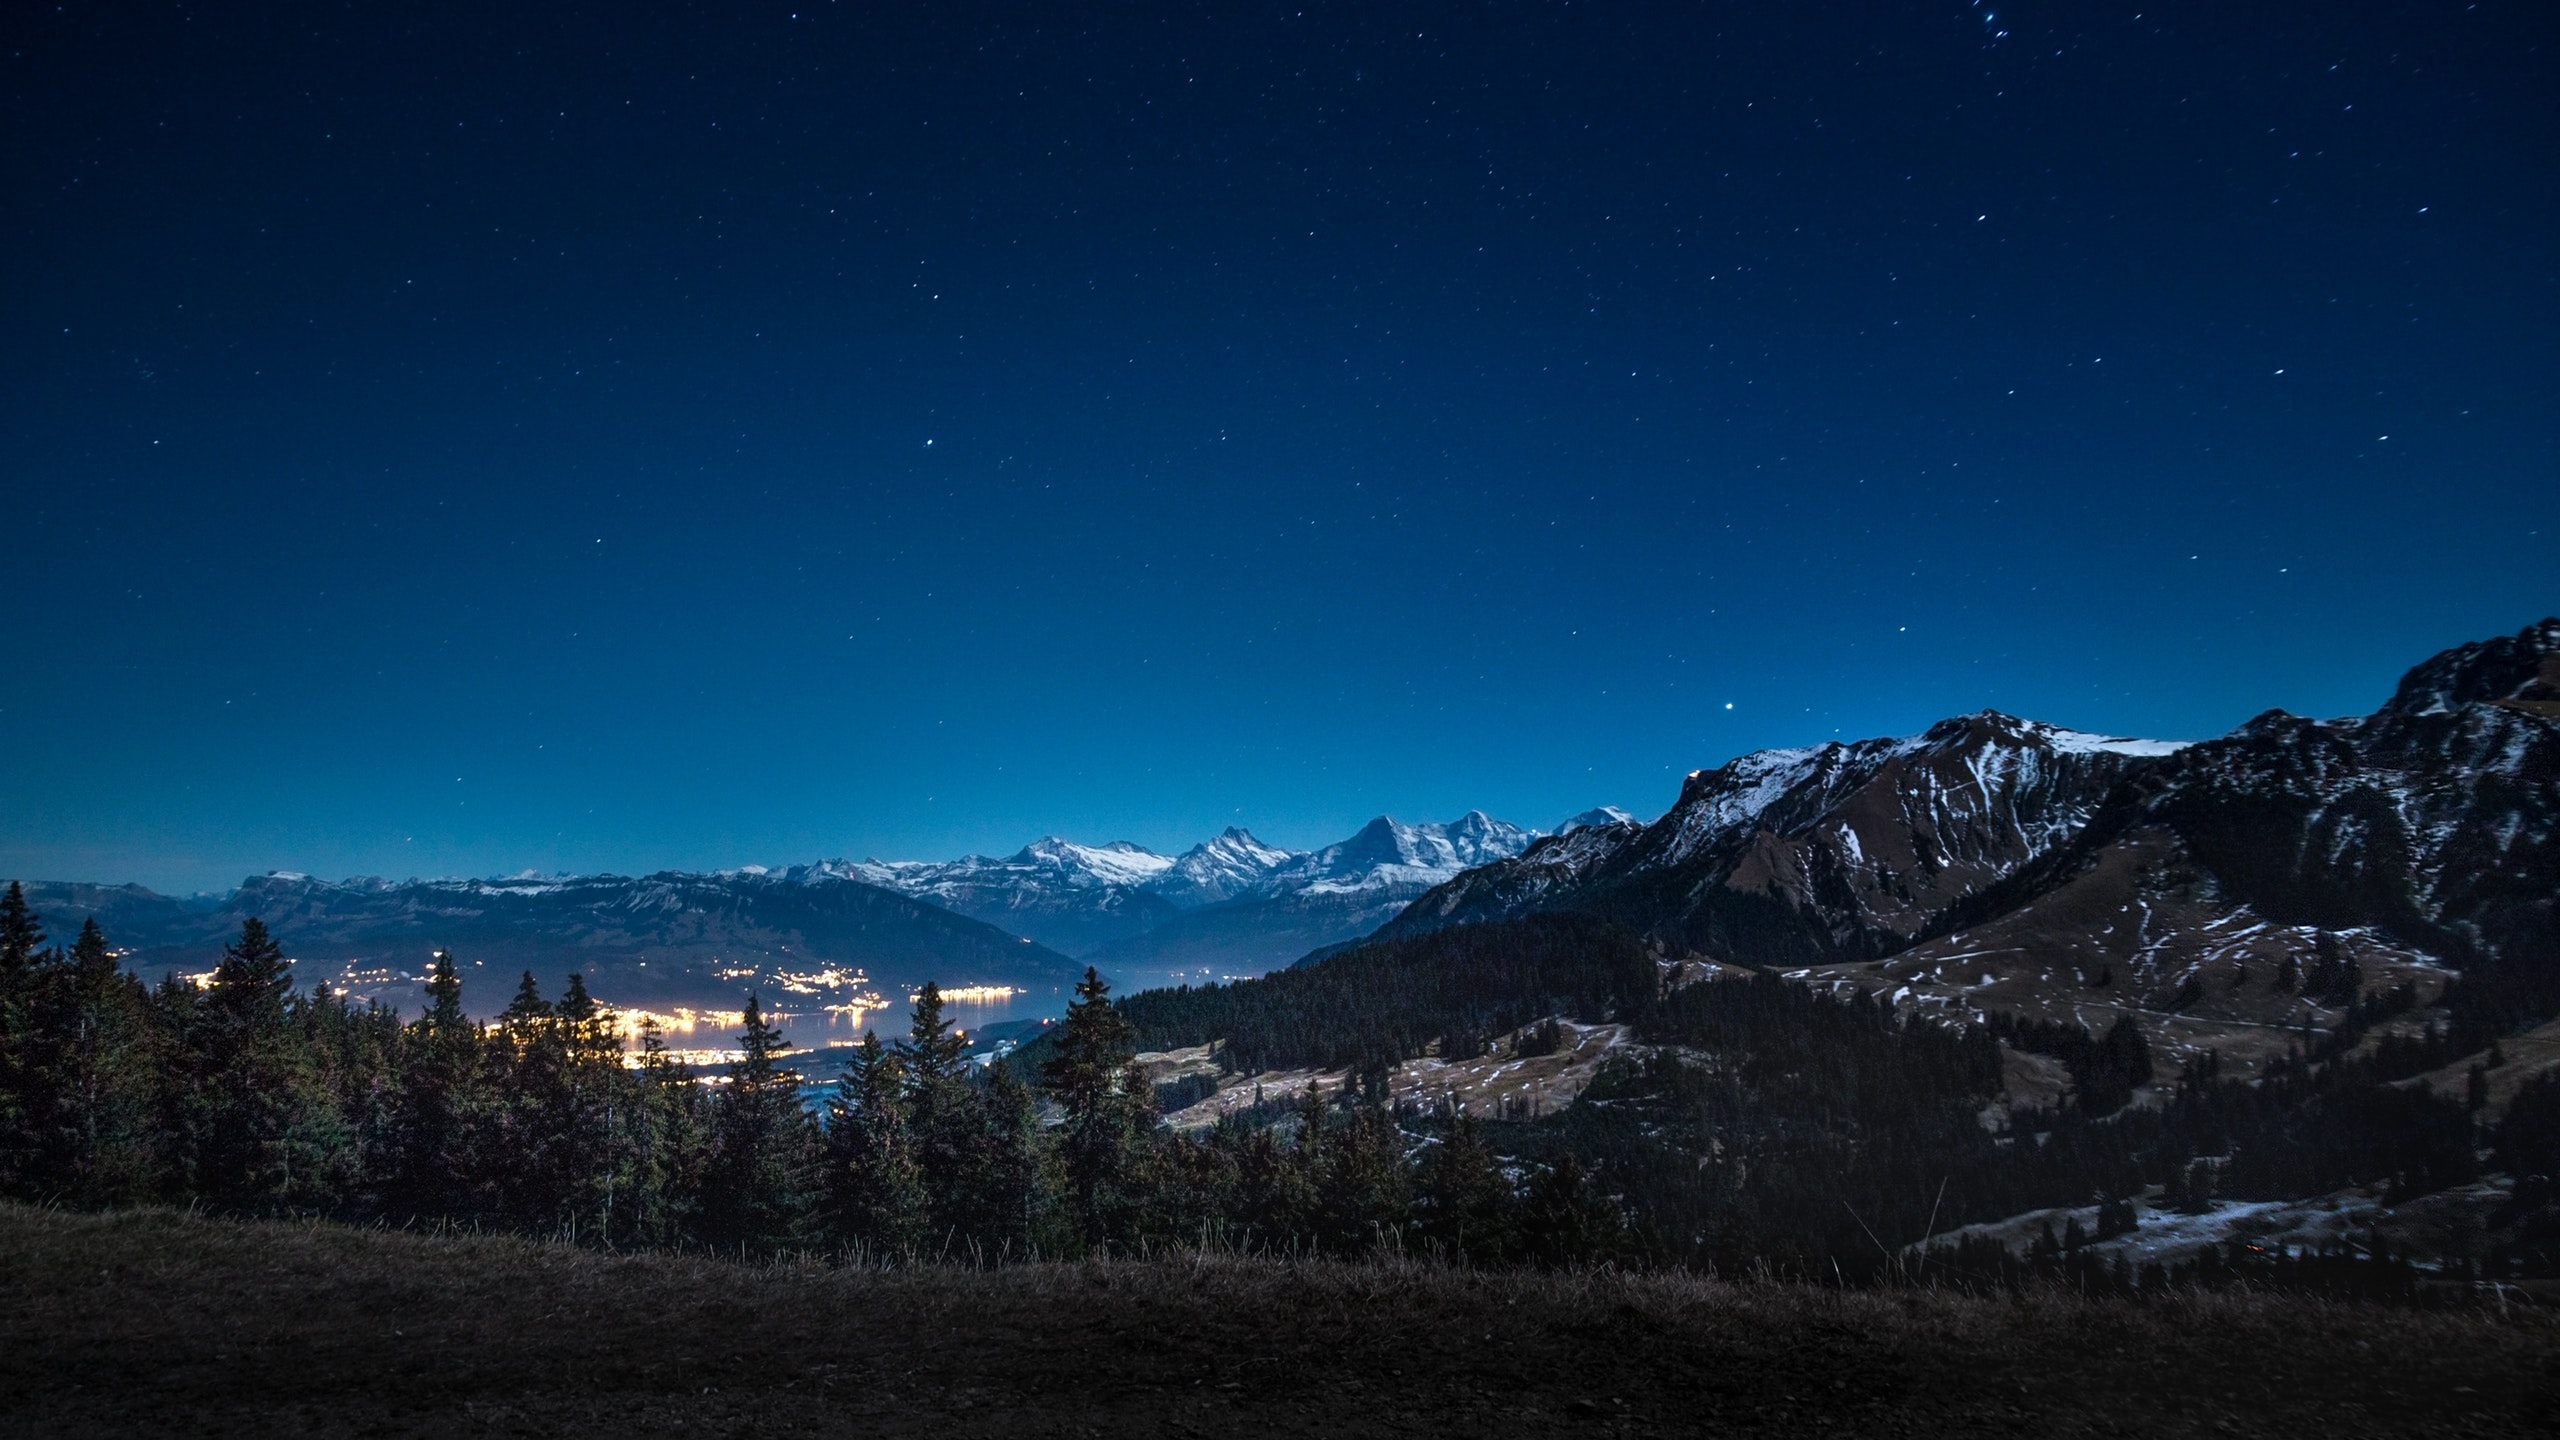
[454, 439]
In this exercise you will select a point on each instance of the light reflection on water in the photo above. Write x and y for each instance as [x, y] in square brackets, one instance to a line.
[814, 1033]
[821, 1028]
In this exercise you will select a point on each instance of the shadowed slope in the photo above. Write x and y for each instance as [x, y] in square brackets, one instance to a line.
[152, 1323]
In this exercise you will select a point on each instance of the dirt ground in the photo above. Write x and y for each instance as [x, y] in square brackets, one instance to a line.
[154, 1323]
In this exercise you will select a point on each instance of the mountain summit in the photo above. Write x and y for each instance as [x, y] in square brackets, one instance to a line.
[1100, 901]
[2428, 832]
[1802, 856]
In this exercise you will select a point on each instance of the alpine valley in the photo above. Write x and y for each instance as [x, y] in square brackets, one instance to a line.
[1028, 921]
[2287, 991]
[2004, 997]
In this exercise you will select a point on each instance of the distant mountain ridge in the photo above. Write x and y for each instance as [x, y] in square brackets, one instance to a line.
[667, 936]
[1010, 920]
[1101, 901]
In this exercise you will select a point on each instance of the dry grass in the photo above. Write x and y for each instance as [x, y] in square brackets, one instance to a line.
[157, 1323]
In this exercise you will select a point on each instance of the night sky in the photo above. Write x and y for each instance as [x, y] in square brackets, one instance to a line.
[447, 439]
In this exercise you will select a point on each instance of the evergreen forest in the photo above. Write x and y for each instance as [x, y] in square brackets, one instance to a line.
[1767, 1127]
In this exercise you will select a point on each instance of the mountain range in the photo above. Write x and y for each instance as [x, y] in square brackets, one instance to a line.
[1993, 864]
[1229, 905]
[675, 937]
[2032, 864]
[666, 939]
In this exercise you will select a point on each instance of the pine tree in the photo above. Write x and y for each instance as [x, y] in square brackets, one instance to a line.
[1363, 1194]
[942, 1114]
[1003, 1194]
[1464, 1196]
[250, 984]
[933, 1052]
[1108, 1109]
[260, 1128]
[441, 1111]
[2116, 1216]
[96, 1071]
[762, 1143]
[670, 1145]
[875, 1193]
[525, 1013]
[21, 935]
[444, 998]
[533, 1188]
[1274, 1187]
[2128, 1053]
[1565, 1220]
[593, 1113]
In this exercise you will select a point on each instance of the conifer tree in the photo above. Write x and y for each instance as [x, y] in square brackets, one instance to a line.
[94, 1074]
[1362, 1194]
[590, 1113]
[1275, 1186]
[1464, 1194]
[250, 984]
[21, 935]
[1092, 1077]
[670, 1145]
[444, 1017]
[532, 1188]
[1004, 1192]
[524, 1013]
[440, 1114]
[875, 1193]
[942, 1115]
[934, 1052]
[1565, 1220]
[762, 1143]
[260, 1128]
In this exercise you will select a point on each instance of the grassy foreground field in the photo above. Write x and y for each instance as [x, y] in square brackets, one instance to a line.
[157, 1323]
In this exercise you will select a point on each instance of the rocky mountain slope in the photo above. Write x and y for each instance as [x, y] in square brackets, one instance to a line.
[1839, 851]
[2420, 841]
[2234, 894]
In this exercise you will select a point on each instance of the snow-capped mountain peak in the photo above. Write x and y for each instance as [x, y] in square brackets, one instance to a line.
[1077, 897]
[1386, 853]
[1232, 864]
[1117, 863]
[1867, 840]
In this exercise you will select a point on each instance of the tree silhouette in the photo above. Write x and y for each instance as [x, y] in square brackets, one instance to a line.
[762, 1143]
[1108, 1108]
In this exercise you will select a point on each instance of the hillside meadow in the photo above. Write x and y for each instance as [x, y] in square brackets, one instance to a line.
[151, 1322]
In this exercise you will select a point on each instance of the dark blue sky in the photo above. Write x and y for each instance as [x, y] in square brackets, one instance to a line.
[625, 437]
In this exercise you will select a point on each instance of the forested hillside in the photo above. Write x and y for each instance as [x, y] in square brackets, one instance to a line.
[1758, 1122]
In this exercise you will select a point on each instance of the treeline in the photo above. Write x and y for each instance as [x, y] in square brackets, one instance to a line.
[2104, 1073]
[252, 1096]
[1385, 1002]
[1769, 1124]
[1777, 1125]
